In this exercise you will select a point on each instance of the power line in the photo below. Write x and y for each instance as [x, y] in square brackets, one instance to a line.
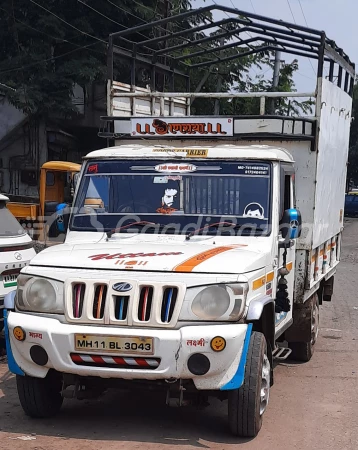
[250, 46]
[49, 35]
[288, 2]
[101, 14]
[303, 13]
[123, 10]
[47, 59]
[64, 21]
[253, 8]
[293, 17]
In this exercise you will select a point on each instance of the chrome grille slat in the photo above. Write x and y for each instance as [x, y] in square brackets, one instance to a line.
[121, 303]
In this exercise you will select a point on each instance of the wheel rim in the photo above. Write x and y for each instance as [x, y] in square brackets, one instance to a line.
[314, 324]
[265, 385]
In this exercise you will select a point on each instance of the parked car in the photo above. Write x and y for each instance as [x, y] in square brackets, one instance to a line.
[16, 251]
[351, 204]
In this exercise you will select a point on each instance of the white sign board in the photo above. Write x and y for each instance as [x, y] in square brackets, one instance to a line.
[175, 168]
[175, 126]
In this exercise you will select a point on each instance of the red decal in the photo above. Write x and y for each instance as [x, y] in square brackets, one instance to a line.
[93, 168]
[194, 343]
[35, 335]
[130, 255]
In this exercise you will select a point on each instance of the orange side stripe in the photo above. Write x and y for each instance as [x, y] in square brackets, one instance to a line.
[289, 266]
[257, 284]
[270, 277]
[191, 263]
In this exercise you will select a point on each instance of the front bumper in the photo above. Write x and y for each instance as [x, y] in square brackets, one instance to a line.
[172, 347]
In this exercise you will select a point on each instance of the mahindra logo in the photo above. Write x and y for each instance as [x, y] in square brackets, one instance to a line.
[122, 287]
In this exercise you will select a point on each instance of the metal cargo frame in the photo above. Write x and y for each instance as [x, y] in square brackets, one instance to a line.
[169, 53]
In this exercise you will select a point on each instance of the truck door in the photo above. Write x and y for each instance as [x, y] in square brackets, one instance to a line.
[283, 319]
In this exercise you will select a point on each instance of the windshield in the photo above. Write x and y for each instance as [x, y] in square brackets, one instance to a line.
[180, 196]
[9, 226]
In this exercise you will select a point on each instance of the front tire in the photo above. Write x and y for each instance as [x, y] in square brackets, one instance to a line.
[40, 397]
[248, 404]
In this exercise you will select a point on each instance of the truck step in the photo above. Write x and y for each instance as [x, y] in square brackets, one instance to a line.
[281, 353]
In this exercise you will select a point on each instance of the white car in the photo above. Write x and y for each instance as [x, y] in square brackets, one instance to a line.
[16, 251]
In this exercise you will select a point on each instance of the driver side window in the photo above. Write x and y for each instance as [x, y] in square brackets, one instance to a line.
[286, 191]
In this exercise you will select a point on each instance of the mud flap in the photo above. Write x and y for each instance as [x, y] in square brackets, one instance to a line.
[300, 330]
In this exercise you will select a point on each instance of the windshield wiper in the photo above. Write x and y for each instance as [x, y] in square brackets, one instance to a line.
[141, 223]
[216, 225]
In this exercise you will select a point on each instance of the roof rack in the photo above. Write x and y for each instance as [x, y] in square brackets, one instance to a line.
[163, 55]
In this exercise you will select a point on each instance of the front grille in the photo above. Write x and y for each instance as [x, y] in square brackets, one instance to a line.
[121, 306]
[78, 293]
[100, 294]
[168, 304]
[95, 301]
[145, 303]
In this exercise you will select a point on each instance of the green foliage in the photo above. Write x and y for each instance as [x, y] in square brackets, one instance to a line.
[42, 57]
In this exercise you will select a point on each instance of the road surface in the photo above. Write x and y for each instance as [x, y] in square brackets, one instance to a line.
[312, 406]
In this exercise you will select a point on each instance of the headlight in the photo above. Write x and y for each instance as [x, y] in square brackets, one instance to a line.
[224, 302]
[211, 303]
[39, 295]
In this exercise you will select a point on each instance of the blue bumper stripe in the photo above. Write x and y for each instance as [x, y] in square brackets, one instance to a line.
[238, 379]
[13, 367]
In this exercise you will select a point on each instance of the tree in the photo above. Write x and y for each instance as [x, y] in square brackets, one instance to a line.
[48, 46]
[43, 56]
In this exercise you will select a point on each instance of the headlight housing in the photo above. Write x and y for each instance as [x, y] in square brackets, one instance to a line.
[39, 295]
[219, 302]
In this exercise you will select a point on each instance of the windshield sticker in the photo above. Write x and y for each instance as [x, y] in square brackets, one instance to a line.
[93, 168]
[175, 168]
[160, 180]
[254, 210]
[130, 255]
[168, 201]
[164, 180]
[253, 169]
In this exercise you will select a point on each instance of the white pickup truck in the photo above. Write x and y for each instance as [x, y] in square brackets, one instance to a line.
[199, 249]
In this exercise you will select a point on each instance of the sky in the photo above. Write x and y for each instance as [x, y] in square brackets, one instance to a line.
[338, 18]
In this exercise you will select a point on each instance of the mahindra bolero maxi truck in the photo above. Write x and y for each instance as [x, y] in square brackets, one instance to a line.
[198, 251]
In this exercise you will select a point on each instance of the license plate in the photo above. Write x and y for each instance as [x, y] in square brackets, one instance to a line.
[10, 281]
[115, 344]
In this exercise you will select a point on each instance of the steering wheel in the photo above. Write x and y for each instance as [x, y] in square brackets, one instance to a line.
[132, 207]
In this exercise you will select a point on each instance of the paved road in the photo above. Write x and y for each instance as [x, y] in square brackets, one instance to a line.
[312, 406]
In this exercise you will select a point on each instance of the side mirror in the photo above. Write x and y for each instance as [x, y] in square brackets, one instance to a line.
[75, 179]
[291, 224]
[63, 212]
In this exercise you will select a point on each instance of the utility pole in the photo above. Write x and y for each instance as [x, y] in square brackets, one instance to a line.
[276, 78]
[219, 84]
